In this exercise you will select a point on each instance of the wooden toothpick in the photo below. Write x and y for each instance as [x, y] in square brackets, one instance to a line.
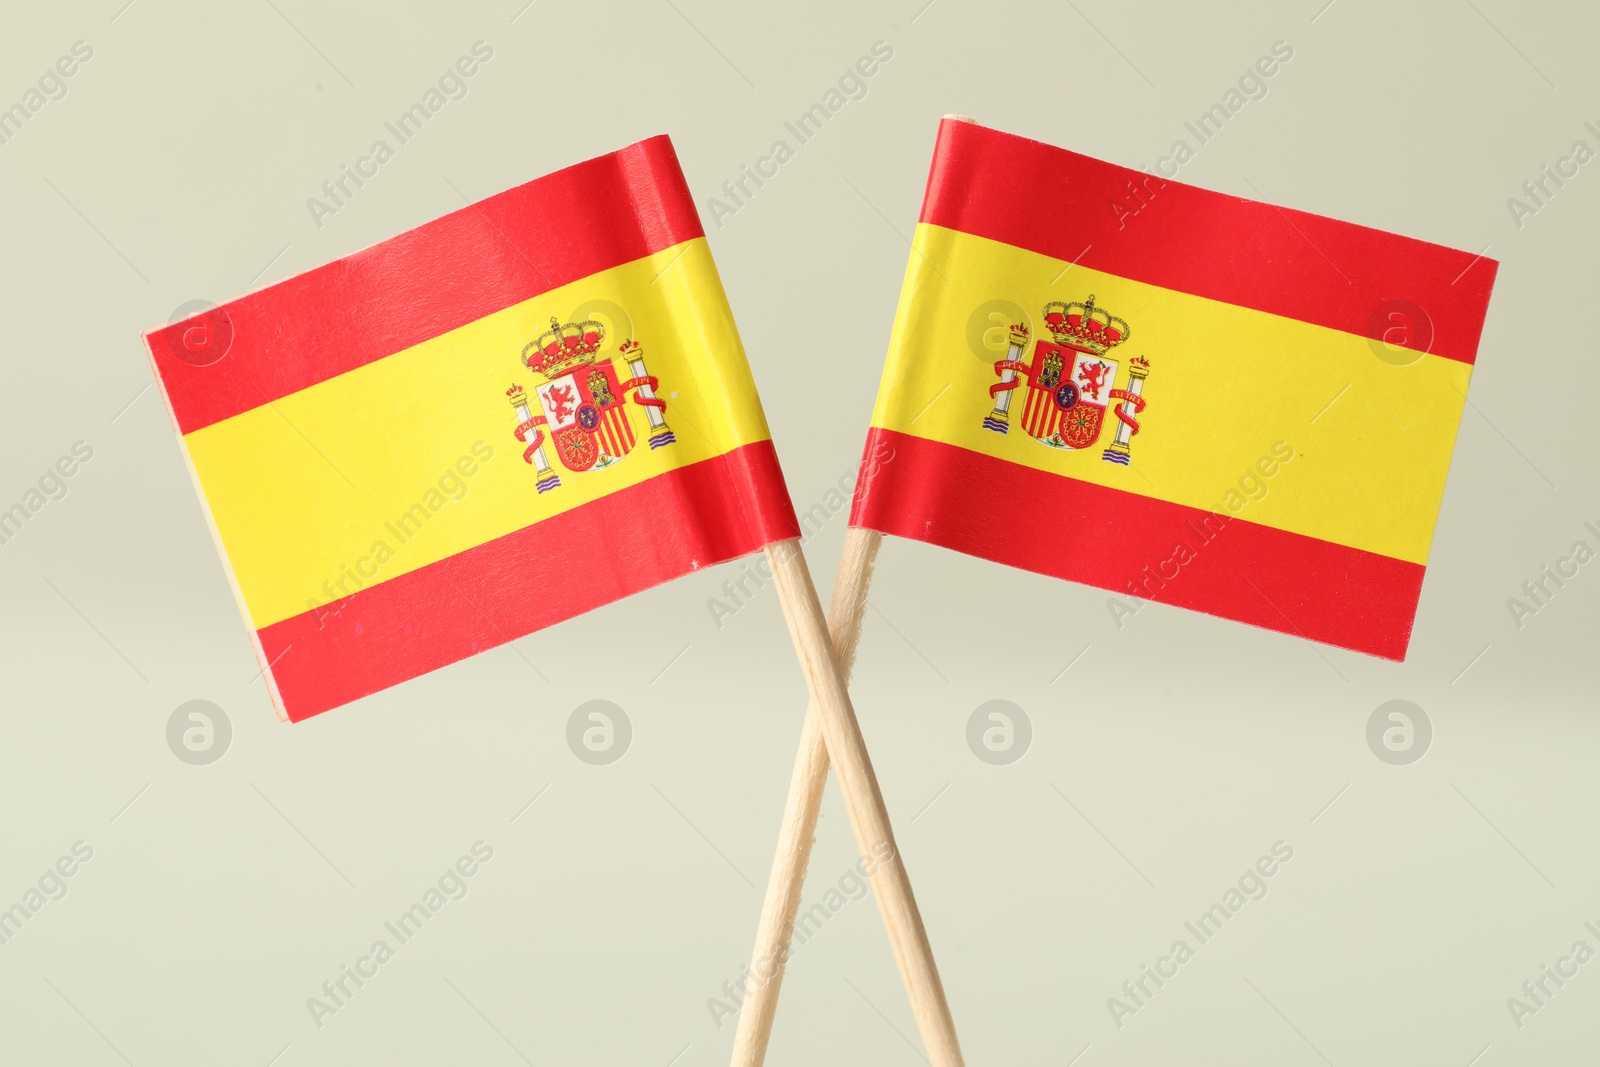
[827, 653]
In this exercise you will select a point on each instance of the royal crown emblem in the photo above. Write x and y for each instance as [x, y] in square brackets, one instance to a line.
[1084, 326]
[1070, 382]
[583, 401]
[563, 347]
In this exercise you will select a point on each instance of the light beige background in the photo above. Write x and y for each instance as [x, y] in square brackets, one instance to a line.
[1170, 756]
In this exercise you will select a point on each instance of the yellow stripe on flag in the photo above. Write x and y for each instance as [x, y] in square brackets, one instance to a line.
[305, 490]
[1226, 384]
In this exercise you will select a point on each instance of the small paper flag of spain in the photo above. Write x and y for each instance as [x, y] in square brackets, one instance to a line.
[1101, 374]
[526, 409]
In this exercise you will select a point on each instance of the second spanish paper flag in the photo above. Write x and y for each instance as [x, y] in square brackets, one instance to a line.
[1181, 396]
[526, 409]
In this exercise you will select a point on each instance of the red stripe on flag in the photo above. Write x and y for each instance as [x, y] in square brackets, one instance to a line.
[428, 281]
[621, 544]
[1244, 252]
[1125, 543]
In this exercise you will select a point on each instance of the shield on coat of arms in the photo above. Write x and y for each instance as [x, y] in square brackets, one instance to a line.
[588, 416]
[1069, 391]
